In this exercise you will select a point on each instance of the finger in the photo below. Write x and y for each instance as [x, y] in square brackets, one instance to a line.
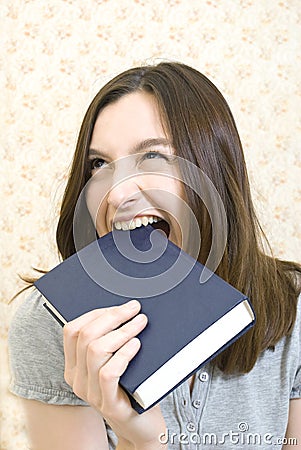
[110, 373]
[114, 340]
[72, 330]
[120, 312]
[104, 324]
[102, 349]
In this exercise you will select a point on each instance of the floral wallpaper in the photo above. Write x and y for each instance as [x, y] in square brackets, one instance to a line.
[55, 55]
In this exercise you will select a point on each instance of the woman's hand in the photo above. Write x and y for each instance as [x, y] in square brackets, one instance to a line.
[98, 348]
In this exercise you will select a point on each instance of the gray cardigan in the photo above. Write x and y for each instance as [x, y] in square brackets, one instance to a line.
[247, 411]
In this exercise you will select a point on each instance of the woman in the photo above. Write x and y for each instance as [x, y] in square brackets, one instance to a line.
[249, 396]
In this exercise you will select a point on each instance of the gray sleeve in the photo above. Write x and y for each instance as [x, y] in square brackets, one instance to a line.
[296, 388]
[36, 355]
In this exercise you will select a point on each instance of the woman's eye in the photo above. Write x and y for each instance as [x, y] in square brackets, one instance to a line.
[96, 163]
[153, 155]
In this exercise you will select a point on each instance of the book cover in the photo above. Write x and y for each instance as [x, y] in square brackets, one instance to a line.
[189, 321]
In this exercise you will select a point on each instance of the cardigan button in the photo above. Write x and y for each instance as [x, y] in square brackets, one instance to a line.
[196, 404]
[191, 426]
[203, 376]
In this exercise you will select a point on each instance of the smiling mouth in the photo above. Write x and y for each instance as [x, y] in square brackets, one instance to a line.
[157, 222]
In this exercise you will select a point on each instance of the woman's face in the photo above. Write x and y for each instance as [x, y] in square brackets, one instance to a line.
[133, 168]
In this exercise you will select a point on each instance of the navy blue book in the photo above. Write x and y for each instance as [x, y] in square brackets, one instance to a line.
[189, 320]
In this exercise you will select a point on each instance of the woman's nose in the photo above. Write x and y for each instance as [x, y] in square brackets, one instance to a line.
[124, 195]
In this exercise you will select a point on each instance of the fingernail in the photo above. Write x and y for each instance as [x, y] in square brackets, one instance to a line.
[133, 304]
[134, 343]
[140, 318]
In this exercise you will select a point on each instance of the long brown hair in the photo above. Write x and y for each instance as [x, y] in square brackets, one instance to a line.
[198, 121]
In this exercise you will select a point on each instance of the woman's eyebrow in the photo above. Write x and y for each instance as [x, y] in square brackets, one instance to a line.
[96, 152]
[147, 143]
[140, 147]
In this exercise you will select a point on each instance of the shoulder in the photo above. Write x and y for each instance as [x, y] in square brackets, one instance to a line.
[293, 347]
[296, 330]
[36, 354]
[292, 342]
[33, 328]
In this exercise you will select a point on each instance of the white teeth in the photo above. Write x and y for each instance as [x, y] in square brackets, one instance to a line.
[144, 221]
[136, 223]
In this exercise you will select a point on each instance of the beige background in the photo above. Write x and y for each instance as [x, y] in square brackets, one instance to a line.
[54, 56]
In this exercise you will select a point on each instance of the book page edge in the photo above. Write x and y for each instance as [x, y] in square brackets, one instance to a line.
[55, 311]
